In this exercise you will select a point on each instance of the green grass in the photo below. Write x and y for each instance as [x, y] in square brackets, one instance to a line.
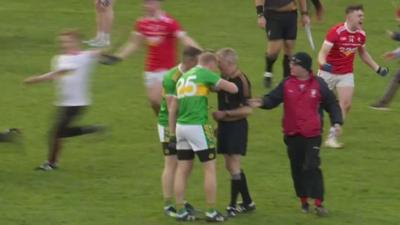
[115, 178]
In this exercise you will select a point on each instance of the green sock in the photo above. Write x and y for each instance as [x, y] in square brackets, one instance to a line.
[168, 201]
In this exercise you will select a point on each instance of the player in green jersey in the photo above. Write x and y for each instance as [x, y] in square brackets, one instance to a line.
[194, 134]
[166, 131]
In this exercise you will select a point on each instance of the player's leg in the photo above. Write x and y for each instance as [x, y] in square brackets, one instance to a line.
[185, 157]
[98, 24]
[183, 170]
[333, 82]
[288, 48]
[274, 30]
[64, 117]
[153, 82]
[168, 174]
[289, 35]
[384, 101]
[202, 142]
[319, 9]
[108, 18]
[313, 178]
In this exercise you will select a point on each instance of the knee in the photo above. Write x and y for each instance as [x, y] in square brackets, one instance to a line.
[345, 104]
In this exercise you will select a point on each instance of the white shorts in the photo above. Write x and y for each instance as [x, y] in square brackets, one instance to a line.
[337, 80]
[152, 78]
[194, 137]
[163, 133]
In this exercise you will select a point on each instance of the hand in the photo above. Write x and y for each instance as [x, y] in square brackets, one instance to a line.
[172, 143]
[261, 22]
[255, 102]
[305, 20]
[107, 59]
[219, 115]
[326, 67]
[382, 71]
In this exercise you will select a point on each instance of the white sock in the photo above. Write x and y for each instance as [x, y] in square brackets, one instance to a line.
[332, 133]
[106, 37]
[99, 35]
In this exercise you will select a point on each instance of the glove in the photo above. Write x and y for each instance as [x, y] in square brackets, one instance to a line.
[172, 143]
[382, 71]
[107, 59]
[326, 67]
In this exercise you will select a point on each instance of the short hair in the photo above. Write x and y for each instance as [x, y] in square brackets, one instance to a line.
[207, 58]
[75, 33]
[228, 54]
[191, 53]
[352, 8]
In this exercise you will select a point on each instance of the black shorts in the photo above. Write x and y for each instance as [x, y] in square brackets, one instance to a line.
[281, 25]
[232, 137]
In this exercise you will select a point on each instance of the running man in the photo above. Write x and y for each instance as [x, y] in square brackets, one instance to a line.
[336, 59]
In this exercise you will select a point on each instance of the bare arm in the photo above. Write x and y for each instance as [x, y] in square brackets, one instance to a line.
[227, 86]
[367, 59]
[323, 53]
[305, 18]
[131, 46]
[45, 77]
[172, 105]
[188, 41]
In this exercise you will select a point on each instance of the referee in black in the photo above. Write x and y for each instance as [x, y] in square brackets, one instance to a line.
[279, 19]
[232, 129]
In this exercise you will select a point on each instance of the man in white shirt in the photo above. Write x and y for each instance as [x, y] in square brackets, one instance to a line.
[71, 71]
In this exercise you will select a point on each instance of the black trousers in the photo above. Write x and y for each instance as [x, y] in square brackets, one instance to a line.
[305, 164]
[62, 129]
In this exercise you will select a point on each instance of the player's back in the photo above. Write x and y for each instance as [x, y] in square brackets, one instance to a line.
[192, 90]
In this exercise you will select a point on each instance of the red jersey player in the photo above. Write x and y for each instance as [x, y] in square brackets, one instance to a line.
[159, 32]
[336, 59]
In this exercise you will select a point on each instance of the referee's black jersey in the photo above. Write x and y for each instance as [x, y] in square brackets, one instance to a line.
[227, 101]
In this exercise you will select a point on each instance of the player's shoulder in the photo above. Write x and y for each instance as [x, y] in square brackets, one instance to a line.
[339, 28]
[165, 17]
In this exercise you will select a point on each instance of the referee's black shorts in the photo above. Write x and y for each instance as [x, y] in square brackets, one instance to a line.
[232, 137]
[281, 25]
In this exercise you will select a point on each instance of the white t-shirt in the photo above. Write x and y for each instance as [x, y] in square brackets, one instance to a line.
[73, 86]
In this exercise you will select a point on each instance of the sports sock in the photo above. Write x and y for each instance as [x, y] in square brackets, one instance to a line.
[244, 190]
[304, 200]
[286, 65]
[168, 201]
[332, 133]
[235, 188]
[269, 62]
[318, 202]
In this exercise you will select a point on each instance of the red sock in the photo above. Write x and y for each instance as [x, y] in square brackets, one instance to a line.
[318, 202]
[304, 200]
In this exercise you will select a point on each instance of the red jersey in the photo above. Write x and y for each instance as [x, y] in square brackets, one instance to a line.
[344, 44]
[160, 35]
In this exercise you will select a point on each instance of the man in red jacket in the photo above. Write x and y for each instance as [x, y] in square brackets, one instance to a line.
[304, 96]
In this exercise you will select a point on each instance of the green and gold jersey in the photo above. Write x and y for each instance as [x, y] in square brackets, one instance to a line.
[192, 90]
[169, 89]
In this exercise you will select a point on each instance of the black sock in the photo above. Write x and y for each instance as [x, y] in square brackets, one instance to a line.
[286, 66]
[244, 190]
[235, 189]
[269, 62]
